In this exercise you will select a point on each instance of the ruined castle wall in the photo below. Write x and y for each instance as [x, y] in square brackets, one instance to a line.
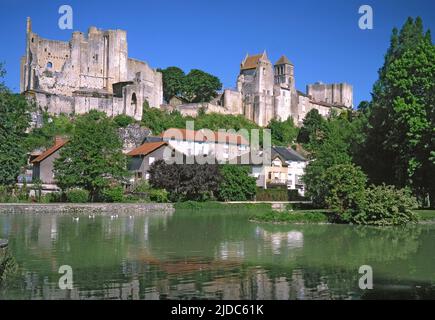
[150, 78]
[233, 101]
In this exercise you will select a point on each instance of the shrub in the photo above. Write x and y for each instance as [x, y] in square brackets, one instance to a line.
[236, 184]
[386, 206]
[77, 195]
[272, 194]
[158, 195]
[292, 217]
[344, 188]
[114, 194]
[123, 120]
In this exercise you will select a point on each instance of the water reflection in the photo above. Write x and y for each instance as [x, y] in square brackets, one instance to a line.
[213, 255]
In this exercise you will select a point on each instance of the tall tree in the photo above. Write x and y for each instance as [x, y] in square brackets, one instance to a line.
[283, 133]
[400, 135]
[14, 121]
[93, 157]
[173, 78]
[200, 86]
[312, 127]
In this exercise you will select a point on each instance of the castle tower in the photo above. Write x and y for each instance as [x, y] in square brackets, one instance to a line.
[284, 73]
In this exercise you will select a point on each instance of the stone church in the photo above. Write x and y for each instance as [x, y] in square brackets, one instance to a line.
[90, 71]
[267, 91]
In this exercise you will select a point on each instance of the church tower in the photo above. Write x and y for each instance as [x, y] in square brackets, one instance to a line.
[284, 73]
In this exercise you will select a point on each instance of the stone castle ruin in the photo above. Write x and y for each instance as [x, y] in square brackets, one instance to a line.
[88, 72]
[94, 71]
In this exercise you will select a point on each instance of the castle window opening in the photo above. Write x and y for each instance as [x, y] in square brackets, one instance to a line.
[134, 102]
[49, 65]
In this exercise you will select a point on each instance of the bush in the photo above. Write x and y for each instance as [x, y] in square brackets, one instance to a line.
[77, 196]
[123, 120]
[236, 184]
[158, 195]
[292, 217]
[344, 188]
[272, 194]
[114, 194]
[386, 206]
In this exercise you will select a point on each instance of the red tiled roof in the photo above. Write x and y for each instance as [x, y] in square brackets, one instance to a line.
[146, 148]
[204, 136]
[251, 62]
[58, 144]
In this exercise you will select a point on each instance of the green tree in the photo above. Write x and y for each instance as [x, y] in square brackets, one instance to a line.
[173, 78]
[200, 86]
[332, 146]
[344, 186]
[197, 182]
[400, 135]
[236, 184]
[93, 157]
[312, 127]
[14, 122]
[283, 133]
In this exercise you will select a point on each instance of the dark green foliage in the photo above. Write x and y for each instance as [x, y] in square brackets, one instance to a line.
[172, 82]
[272, 194]
[386, 206]
[236, 184]
[122, 120]
[113, 194]
[197, 182]
[311, 128]
[14, 121]
[399, 147]
[52, 126]
[196, 86]
[77, 195]
[283, 133]
[93, 157]
[292, 217]
[200, 86]
[344, 187]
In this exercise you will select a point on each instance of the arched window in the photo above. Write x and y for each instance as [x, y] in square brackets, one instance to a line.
[49, 65]
[134, 102]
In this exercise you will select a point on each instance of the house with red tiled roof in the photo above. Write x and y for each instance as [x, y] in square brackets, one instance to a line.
[43, 164]
[141, 158]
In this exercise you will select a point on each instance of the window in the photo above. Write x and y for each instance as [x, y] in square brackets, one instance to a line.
[151, 160]
[134, 102]
[49, 65]
[139, 175]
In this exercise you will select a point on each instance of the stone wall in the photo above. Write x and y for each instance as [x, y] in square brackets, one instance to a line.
[91, 208]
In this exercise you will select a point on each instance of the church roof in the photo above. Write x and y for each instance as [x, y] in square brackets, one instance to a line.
[283, 60]
[251, 62]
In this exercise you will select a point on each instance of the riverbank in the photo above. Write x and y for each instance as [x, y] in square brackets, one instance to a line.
[86, 208]
[319, 216]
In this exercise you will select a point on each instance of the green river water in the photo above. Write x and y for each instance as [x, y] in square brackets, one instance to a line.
[213, 255]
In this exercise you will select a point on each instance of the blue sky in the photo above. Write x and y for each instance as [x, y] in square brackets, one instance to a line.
[321, 38]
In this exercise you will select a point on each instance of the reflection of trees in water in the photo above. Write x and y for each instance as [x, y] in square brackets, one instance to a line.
[9, 271]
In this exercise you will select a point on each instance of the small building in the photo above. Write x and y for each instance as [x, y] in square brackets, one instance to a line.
[285, 169]
[43, 165]
[143, 157]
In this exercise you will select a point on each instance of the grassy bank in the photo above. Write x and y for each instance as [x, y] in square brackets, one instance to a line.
[425, 214]
[297, 216]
